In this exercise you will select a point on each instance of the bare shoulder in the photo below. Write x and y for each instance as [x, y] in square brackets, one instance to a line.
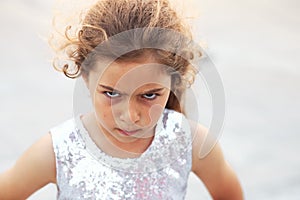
[206, 151]
[209, 164]
[33, 170]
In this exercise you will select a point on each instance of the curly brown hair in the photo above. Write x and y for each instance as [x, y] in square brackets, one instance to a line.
[107, 18]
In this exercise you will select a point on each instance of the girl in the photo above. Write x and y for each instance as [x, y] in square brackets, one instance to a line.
[135, 59]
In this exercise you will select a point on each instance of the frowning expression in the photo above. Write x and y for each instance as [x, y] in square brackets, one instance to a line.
[129, 98]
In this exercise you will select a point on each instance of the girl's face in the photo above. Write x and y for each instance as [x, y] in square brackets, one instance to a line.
[129, 98]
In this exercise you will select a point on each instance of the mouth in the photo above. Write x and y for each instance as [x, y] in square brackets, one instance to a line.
[128, 133]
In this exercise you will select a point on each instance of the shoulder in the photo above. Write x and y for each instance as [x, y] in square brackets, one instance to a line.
[66, 135]
[206, 149]
[176, 125]
[64, 127]
[65, 131]
[172, 118]
[209, 164]
[33, 170]
[175, 128]
[39, 160]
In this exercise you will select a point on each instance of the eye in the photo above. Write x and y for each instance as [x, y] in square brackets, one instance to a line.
[112, 94]
[150, 96]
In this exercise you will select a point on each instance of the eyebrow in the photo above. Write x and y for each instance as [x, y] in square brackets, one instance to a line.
[109, 88]
[149, 91]
[154, 90]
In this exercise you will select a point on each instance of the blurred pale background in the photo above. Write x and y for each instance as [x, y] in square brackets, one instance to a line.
[256, 48]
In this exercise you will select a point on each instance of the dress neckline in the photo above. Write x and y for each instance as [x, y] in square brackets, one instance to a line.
[128, 164]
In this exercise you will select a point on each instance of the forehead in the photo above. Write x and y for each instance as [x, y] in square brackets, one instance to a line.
[133, 75]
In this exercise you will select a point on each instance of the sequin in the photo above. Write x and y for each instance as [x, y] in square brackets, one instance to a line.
[85, 172]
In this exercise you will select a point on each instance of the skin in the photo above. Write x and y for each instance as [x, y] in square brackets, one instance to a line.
[133, 107]
[128, 98]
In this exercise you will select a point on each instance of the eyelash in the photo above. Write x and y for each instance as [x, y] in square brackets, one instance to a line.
[152, 98]
[111, 94]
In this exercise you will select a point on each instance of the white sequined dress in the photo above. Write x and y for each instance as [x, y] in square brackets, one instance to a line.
[84, 171]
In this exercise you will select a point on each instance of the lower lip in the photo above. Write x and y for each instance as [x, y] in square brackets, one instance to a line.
[127, 133]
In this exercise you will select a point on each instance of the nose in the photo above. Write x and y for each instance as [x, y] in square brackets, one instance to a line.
[130, 113]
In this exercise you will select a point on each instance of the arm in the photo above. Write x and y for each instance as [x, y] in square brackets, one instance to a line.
[33, 170]
[213, 170]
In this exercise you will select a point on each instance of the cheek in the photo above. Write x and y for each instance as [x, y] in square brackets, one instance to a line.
[154, 110]
[159, 107]
[103, 108]
[154, 113]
